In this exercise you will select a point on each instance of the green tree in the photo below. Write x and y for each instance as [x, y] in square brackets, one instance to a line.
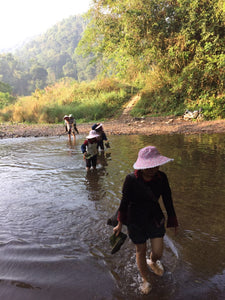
[39, 76]
[181, 39]
[5, 88]
[6, 97]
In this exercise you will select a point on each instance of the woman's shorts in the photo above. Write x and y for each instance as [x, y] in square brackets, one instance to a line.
[140, 235]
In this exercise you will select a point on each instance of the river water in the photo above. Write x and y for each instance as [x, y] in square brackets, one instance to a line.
[54, 241]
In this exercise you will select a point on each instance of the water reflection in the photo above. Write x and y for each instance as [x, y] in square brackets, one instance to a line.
[94, 178]
[54, 241]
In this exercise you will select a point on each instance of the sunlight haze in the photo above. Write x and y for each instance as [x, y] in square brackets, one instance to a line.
[24, 19]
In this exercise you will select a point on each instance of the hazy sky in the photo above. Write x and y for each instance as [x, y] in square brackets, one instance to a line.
[21, 19]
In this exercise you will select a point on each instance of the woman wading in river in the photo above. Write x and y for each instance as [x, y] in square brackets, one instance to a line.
[140, 211]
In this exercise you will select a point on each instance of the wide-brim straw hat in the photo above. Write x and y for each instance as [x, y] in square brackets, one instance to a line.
[149, 157]
[92, 134]
[66, 117]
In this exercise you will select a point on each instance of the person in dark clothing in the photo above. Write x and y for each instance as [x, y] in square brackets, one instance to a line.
[102, 136]
[140, 210]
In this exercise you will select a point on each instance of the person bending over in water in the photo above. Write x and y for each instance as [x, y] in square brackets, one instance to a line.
[140, 210]
[71, 127]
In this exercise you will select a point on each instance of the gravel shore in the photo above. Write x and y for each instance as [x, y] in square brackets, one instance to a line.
[128, 125]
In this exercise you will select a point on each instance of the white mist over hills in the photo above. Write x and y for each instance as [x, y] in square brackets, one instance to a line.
[22, 21]
[20, 44]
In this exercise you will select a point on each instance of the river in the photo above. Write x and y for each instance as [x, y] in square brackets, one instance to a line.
[54, 240]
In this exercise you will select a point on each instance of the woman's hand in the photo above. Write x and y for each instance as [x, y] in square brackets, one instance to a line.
[118, 228]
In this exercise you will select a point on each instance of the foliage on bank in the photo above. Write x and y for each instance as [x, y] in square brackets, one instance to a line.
[97, 100]
[175, 48]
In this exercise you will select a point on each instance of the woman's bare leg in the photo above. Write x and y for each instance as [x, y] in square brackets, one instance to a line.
[157, 249]
[155, 256]
[142, 267]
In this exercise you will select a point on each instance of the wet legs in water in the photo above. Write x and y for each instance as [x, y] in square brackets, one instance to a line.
[155, 255]
[70, 139]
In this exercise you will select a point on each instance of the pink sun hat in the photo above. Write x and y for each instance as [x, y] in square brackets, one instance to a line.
[92, 134]
[149, 157]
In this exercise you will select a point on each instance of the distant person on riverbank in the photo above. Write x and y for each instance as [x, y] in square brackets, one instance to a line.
[140, 210]
[70, 126]
[90, 150]
[102, 136]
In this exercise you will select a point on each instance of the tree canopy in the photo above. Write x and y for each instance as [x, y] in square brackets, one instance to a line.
[181, 40]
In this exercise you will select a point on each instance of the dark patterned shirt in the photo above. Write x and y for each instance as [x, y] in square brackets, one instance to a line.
[139, 204]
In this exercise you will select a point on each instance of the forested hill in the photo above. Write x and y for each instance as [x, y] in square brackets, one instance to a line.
[171, 51]
[47, 58]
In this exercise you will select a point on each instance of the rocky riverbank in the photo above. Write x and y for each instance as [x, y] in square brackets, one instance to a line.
[124, 125]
